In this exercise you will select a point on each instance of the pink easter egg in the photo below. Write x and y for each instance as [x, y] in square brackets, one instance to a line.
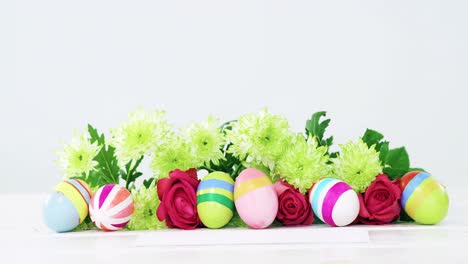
[334, 202]
[255, 198]
[111, 207]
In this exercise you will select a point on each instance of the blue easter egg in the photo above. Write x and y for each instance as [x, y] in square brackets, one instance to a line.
[60, 214]
[67, 206]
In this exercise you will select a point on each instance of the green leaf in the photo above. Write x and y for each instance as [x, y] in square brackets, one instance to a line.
[230, 165]
[130, 174]
[398, 159]
[317, 128]
[329, 141]
[383, 149]
[397, 163]
[372, 137]
[394, 173]
[147, 183]
[97, 178]
[107, 169]
[404, 217]
[417, 169]
[227, 126]
[317, 221]
[276, 223]
[87, 224]
[95, 135]
[236, 221]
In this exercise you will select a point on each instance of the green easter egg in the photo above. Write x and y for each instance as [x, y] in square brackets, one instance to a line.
[424, 199]
[434, 208]
[215, 199]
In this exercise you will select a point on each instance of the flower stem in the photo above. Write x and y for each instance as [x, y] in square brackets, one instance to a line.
[131, 171]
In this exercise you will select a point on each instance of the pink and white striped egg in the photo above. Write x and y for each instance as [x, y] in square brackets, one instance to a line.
[111, 207]
[334, 202]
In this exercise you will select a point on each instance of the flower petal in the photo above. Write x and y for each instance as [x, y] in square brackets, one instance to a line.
[162, 186]
[281, 186]
[161, 212]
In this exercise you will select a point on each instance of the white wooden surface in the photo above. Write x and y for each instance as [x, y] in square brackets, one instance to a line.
[24, 239]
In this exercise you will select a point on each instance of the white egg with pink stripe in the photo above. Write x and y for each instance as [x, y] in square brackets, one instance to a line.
[334, 202]
[111, 207]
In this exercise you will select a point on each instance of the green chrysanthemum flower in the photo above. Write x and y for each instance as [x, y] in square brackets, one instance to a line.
[174, 154]
[259, 138]
[205, 141]
[357, 165]
[146, 202]
[141, 134]
[304, 163]
[77, 158]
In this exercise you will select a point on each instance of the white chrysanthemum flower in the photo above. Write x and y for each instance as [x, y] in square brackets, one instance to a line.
[77, 158]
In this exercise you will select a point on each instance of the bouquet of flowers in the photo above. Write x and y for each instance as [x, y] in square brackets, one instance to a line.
[254, 171]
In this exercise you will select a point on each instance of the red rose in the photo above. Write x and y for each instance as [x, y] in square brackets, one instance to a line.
[380, 204]
[294, 207]
[178, 197]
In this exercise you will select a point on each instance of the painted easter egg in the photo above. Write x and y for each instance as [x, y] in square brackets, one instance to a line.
[424, 199]
[111, 207]
[255, 198]
[215, 199]
[334, 202]
[67, 206]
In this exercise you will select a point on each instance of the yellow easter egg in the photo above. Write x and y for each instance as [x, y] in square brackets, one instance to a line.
[215, 199]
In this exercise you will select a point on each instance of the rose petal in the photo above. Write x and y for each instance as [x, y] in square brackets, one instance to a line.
[389, 214]
[362, 207]
[177, 174]
[309, 219]
[380, 203]
[161, 212]
[180, 202]
[294, 209]
[192, 173]
[280, 186]
[162, 186]
[183, 176]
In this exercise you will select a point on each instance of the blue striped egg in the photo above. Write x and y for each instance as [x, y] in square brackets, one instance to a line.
[215, 201]
[334, 202]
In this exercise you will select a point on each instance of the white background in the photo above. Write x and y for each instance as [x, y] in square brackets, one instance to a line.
[399, 67]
